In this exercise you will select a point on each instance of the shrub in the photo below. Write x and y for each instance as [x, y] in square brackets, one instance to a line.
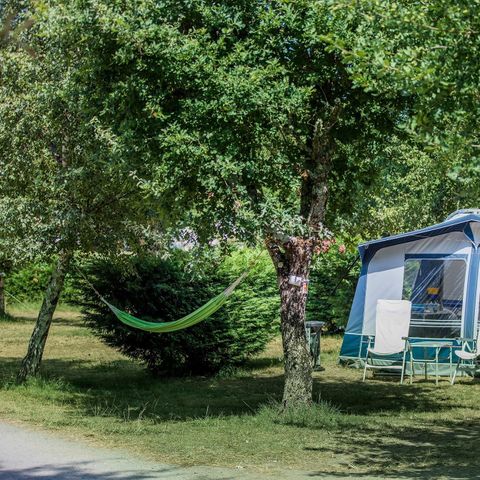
[155, 289]
[29, 282]
[332, 285]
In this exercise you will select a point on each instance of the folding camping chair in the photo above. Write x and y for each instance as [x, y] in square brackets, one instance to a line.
[392, 323]
[467, 356]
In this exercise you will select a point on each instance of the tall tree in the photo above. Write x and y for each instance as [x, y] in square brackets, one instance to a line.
[249, 121]
[65, 182]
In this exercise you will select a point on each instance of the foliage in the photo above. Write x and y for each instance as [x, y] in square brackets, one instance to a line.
[425, 195]
[225, 100]
[66, 179]
[428, 50]
[13, 24]
[156, 289]
[332, 285]
[29, 282]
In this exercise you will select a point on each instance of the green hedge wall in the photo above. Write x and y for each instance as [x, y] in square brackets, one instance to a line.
[28, 284]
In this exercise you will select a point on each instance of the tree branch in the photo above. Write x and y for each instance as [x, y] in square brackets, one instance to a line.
[315, 179]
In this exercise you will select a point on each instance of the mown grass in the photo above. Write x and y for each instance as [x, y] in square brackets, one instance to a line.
[89, 391]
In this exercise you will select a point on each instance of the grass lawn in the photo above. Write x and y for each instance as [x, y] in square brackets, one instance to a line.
[89, 391]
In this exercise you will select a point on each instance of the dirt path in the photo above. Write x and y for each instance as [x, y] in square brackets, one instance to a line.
[26, 455]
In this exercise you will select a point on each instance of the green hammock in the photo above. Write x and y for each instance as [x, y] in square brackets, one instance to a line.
[191, 319]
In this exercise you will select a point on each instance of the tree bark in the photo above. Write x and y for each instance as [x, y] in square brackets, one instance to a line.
[2, 295]
[293, 258]
[33, 358]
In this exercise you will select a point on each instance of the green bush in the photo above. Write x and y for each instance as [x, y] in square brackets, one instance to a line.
[155, 289]
[29, 282]
[332, 285]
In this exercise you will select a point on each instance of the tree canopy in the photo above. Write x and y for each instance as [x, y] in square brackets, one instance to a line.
[429, 51]
[66, 179]
[227, 104]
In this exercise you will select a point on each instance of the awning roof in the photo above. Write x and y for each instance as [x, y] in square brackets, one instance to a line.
[456, 224]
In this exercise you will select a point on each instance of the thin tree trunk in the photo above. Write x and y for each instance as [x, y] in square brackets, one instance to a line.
[293, 259]
[2, 295]
[33, 358]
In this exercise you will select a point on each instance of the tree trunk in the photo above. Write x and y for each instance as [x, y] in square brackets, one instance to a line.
[33, 358]
[293, 259]
[2, 295]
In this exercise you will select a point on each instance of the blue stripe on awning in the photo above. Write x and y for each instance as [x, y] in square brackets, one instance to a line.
[454, 225]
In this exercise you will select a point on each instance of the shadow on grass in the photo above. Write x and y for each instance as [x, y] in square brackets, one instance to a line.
[387, 397]
[123, 384]
[114, 388]
[366, 432]
[423, 452]
[59, 321]
[261, 363]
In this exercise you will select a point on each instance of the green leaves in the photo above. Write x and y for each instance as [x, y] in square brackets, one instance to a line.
[197, 117]
[65, 175]
[222, 101]
[428, 51]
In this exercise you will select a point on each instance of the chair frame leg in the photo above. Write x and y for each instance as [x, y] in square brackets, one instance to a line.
[412, 367]
[365, 368]
[452, 382]
[403, 365]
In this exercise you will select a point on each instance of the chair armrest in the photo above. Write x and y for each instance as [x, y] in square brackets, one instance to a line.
[468, 344]
[368, 338]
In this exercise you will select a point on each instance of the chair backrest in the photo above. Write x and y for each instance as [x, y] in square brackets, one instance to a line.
[392, 323]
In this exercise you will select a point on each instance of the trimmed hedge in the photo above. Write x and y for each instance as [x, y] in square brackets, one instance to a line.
[155, 289]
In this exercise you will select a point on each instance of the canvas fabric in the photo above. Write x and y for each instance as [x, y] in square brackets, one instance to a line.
[392, 324]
